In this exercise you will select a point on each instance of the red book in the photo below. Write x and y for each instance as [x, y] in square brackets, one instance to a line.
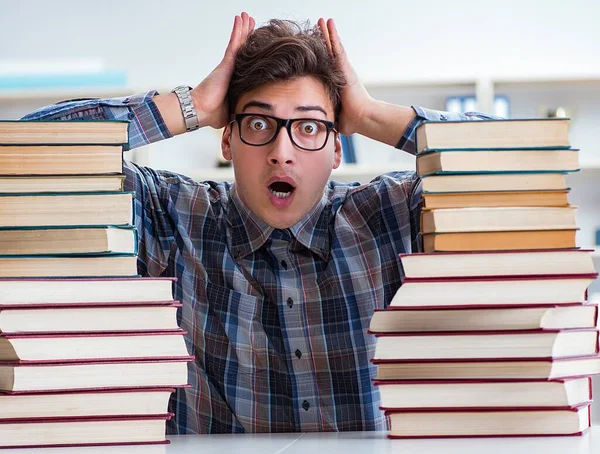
[89, 318]
[498, 263]
[93, 375]
[57, 348]
[488, 368]
[85, 404]
[491, 318]
[496, 290]
[98, 431]
[515, 422]
[478, 394]
[36, 291]
[486, 344]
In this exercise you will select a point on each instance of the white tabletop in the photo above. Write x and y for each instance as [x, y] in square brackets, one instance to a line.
[344, 443]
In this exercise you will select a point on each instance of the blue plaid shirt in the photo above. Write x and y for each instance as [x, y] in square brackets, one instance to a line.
[277, 319]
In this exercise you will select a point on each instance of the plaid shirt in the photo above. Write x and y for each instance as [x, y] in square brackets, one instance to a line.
[277, 319]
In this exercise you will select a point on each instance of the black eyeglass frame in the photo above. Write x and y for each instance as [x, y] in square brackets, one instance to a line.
[283, 123]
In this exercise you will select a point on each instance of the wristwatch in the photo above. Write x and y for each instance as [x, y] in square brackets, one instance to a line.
[187, 107]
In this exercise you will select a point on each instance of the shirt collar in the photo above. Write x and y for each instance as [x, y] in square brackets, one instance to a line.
[248, 232]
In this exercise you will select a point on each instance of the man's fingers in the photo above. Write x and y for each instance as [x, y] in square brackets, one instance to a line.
[325, 32]
[336, 43]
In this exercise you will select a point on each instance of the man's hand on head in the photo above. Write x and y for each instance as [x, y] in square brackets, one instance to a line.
[210, 95]
[355, 99]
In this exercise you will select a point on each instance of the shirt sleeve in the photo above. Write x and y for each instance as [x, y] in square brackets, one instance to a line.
[151, 192]
[146, 124]
[408, 140]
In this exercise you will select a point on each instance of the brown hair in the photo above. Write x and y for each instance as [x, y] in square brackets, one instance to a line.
[284, 50]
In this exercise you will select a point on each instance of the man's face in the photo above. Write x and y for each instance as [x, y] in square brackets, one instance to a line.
[280, 182]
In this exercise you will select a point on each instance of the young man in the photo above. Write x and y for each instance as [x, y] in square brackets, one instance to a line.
[278, 273]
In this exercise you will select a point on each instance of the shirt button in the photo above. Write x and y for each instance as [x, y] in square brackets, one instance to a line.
[284, 264]
[305, 405]
[298, 354]
[290, 302]
[131, 115]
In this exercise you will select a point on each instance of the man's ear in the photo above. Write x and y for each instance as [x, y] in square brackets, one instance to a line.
[226, 143]
[337, 152]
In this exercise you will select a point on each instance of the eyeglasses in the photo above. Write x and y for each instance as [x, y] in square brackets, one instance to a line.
[307, 134]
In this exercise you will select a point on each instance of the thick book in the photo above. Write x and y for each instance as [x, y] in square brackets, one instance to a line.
[497, 219]
[40, 291]
[486, 344]
[68, 404]
[499, 240]
[43, 376]
[60, 159]
[494, 182]
[407, 395]
[485, 134]
[488, 369]
[65, 347]
[498, 263]
[68, 240]
[442, 162]
[103, 266]
[496, 318]
[59, 183]
[62, 209]
[39, 132]
[496, 290]
[90, 318]
[98, 431]
[496, 199]
[463, 422]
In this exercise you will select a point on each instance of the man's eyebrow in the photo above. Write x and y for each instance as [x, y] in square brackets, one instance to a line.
[260, 105]
[269, 107]
[311, 108]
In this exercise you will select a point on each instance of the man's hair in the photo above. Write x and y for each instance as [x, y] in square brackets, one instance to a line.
[284, 50]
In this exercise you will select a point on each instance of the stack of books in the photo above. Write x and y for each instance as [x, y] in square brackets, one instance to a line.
[90, 352]
[490, 333]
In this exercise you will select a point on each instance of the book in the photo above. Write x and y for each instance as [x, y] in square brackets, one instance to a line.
[499, 241]
[498, 263]
[29, 377]
[498, 318]
[69, 291]
[488, 369]
[101, 132]
[102, 402]
[514, 133]
[494, 182]
[486, 344]
[484, 423]
[406, 395]
[496, 199]
[497, 219]
[485, 291]
[67, 209]
[160, 316]
[440, 162]
[74, 240]
[92, 346]
[98, 431]
[32, 266]
[59, 159]
[71, 183]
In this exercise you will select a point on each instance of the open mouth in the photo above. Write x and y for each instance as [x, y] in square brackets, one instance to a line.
[281, 189]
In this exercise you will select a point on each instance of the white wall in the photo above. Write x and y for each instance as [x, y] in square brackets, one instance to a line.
[165, 43]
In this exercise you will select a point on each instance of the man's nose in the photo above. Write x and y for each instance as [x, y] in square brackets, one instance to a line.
[282, 149]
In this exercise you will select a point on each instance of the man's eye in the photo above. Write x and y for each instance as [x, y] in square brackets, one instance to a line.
[258, 124]
[309, 127]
